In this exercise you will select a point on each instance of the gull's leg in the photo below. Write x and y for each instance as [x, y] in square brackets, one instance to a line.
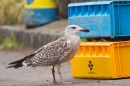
[59, 72]
[53, 73]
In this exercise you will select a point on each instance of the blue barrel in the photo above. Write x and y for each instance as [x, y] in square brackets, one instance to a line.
[38, 12]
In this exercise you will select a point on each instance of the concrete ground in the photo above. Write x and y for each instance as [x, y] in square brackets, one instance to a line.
[42, 76]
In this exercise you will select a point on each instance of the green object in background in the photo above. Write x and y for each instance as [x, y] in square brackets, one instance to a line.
[11, 42]
[83, 39]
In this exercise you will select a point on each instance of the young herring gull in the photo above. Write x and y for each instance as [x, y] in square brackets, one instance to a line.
[55, 53]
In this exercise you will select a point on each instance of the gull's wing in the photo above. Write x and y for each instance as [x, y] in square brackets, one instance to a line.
[52, 53]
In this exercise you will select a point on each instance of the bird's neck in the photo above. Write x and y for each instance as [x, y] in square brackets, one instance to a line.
[74, 38]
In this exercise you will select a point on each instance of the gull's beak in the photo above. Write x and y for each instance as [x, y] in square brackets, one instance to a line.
[84, 30]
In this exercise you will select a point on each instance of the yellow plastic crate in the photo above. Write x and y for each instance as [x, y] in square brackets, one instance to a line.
[105, 60]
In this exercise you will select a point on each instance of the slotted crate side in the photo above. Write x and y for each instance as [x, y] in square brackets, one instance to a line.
[104, 19]
[121, 52]
[89, 9]
[106, 60]
[125, 61]
[76, 1]
[122, 19]
[94, 61]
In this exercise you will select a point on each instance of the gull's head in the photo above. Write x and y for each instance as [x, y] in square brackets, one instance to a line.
[74, 30]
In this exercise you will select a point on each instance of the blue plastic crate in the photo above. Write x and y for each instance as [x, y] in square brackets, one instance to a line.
[103, 18]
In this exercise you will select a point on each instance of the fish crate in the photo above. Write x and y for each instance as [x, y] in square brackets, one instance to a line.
[102, 60]
[102, 18]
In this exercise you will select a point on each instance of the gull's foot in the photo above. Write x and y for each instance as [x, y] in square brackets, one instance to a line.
[59, 83]
[56, 83]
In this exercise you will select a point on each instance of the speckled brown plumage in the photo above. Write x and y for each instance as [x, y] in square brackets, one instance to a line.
[54, 53]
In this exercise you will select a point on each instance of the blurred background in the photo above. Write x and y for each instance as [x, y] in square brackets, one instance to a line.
[20, 11]
[11, 12]
[32, 23]
[41, 16]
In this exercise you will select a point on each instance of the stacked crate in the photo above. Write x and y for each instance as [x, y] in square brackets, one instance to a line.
[107, 20]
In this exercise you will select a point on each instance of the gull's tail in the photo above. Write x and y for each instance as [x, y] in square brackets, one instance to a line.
[19, 63]
[16, 64]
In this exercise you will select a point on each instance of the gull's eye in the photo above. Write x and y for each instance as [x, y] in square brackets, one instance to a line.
[74, 27]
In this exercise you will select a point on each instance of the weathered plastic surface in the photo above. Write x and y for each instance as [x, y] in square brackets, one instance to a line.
[103, 18]
[38, 12]
[105, 60]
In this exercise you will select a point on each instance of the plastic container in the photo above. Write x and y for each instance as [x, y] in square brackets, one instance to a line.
[102, 60]
[77, 1]
[38, 12]
[103, 18]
